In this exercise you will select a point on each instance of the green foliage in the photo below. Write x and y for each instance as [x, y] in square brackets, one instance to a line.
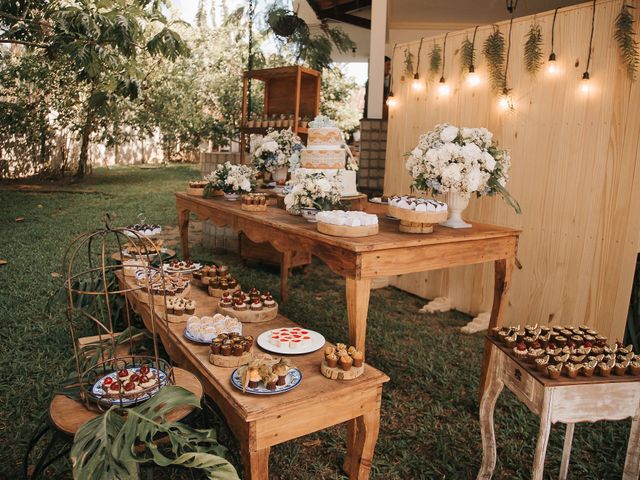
[494, 51]
[105, 447]
[408, 62]
[627, 44]
[435, 59]
[337, 99]
[533, 49]
[467, 54]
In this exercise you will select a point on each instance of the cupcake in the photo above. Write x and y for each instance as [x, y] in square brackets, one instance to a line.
[554, 371]
[560, 340]
[190, 307]
[577, 358]
[521, 351]
[223, 270]
[232, 283]
[256, 305]
[329, 350]
[214, 282]
[332, 360]
[226, 302]
[225, 350]
[269, 302]
[358, 358]
[238, 350]
[239, 305]
[589, 367]
[271, 381]
[542, 362]
[237, 294]
[604, 369]
[178, 309]
[572, 369]
[254, 377]
[281, 369]
[634, 368]
[248, 342]
[254, 294]
[621, 368]
[510, 341]
[216, 346]
[345, 362]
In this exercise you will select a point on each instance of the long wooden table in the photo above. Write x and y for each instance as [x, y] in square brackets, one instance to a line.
[359, 260]
[258, 421]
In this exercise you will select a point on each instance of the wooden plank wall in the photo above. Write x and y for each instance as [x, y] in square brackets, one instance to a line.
[576, 170]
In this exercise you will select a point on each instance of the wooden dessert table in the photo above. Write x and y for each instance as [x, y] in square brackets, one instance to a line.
[563, 400]
[359, 260]
[258, 421]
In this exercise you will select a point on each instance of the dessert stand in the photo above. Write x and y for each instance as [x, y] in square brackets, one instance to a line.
[416, 222]
[231, 361]
[248, 316]
[337, 373]
[346, 231]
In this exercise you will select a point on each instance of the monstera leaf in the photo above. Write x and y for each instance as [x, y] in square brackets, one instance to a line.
[109, 446]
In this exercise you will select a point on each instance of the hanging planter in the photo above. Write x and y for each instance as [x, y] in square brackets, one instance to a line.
[283, 22]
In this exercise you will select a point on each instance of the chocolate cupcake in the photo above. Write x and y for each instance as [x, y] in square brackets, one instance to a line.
[621, 368]
[554, 371]
[248, 342]
[225, 350]
[238, 350]
[634, 368]
[589, 368]
[541, 363]
[604, 369]
[216, 346]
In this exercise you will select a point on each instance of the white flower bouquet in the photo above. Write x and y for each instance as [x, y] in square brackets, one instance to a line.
[276, 149]
[322, 121]
[231, 178]
[311, 190]
[460, 160]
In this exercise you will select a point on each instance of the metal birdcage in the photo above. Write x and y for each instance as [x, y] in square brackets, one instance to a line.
[101, 270]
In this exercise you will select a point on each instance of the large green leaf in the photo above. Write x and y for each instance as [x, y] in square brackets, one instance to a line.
[105, 448]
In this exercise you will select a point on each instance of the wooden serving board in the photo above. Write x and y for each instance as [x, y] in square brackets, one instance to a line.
[412, 227]
[218, 292]
[345, 231]
[231, 361]
[158, 300]
[247, 316]
[253, 208]
[195, 192]
[418, 217]
[338, 373]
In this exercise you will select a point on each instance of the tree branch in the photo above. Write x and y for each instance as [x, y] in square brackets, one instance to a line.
[24, 42]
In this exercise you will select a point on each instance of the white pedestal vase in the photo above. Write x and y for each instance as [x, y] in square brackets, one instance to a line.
[309, 214]
[456, 203]
[231, 197]
[279, 175]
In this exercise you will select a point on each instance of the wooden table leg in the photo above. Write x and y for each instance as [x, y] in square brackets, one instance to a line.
[487, 407]
[360, 451]
[285, 267]
[256, 463]
[358, 293]
[543, 436]
[502, 283]
[183, 226]
[632, 462]
[566, 451]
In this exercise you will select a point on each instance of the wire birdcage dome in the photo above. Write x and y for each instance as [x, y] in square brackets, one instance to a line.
[95, 266]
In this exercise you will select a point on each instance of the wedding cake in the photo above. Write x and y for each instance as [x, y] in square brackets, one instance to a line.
[327, 153]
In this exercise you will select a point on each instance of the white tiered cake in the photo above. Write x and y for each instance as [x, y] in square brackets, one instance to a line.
[326, 153]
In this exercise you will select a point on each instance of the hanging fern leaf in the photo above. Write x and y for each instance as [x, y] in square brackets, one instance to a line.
[467, 54]
[435, 59]
[494, 52]
[533, 49]
[408, 62]
[626, 43]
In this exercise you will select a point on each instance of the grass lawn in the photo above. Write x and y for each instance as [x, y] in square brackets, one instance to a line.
[430, 426]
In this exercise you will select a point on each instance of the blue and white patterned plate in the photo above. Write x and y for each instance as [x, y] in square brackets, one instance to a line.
[294, 377]
[193, 339]
[99, 392]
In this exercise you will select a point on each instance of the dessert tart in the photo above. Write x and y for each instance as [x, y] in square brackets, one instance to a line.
[417, 215]
[205, 329]
[254, 202]
[181, 266]
[342, 363]
[339, 223]
[252, 307]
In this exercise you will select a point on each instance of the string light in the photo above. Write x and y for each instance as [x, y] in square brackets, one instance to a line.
[417, 85]
[391, 100]
[473, 78]
[443, 88]
[552, 66]
[585, 85]
[505, 101]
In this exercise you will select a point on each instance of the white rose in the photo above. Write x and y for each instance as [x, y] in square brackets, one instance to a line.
[467, 133]
[449, 133]
[452, 173]
[245, 185]
[489, 161]
[471, 152]
[416, 152]
[474, 180]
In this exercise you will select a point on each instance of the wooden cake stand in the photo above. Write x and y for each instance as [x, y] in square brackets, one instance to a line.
[158, 300]
[218, 292]
[231, 361]
[337, 373]
[253, 208]
[417, 222]
[345, 231]
[247, 316]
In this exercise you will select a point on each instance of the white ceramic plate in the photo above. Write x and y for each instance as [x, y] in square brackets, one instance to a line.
[195, 267]
[294, 377]
[317, 342]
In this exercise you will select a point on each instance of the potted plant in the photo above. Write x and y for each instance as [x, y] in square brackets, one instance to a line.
[309, 193]
[284, 22]
[458, 162]
[251, 122]
[276, 152]
[233, 180]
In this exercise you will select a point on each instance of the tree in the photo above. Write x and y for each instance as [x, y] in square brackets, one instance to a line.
[337, 99]
[201, 15]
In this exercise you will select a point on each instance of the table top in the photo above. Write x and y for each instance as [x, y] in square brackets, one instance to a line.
[313, 388]
[389, 237]
[563, 381]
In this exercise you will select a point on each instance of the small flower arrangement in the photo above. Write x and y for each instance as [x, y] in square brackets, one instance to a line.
[312, 190]
[460, 160]
[322, 121]
[231, 178]
[276, 149]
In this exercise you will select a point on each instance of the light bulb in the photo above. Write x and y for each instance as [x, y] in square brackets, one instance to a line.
[552, 66]
[391, 100]
[473, 79]
[585, 85]
[443, 88]
[505, 102]
[417, 85]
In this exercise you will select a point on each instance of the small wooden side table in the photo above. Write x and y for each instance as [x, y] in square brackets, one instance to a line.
[563, 400]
